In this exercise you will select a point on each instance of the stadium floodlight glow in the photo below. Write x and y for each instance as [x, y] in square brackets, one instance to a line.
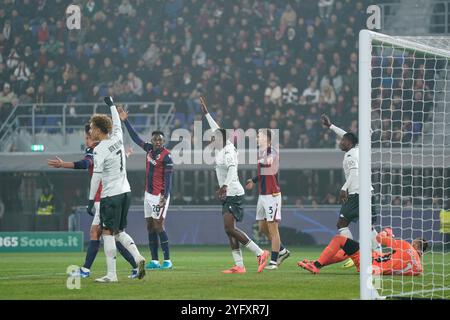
[404, 117]
[37, 147]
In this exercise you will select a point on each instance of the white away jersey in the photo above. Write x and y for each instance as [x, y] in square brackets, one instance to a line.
[227, 159]
[110, 161]
[351, 162]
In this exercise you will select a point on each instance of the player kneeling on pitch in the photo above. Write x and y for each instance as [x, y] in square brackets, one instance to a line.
[404, 258]
[110, 170]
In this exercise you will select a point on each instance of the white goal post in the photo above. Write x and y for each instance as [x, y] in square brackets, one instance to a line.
[404, 143]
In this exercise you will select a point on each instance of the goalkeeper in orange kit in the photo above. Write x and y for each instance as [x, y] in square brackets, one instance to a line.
[404, 258]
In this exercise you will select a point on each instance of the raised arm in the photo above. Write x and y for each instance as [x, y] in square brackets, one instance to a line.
[386, 239]
[327, 123]
[133, 134]
[117, 125]
[214, 126]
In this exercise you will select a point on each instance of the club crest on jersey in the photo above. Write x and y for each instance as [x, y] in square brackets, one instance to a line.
[150, 159]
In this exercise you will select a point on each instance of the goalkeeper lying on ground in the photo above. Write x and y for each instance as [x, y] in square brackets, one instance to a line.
[404, 258]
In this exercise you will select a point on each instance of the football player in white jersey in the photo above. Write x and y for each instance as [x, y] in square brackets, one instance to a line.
[110, 170]
[231, 193]
[349, 194]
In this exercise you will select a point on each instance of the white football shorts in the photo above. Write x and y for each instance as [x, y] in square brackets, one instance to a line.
[152, 208]
[268, 207]
[96, 220]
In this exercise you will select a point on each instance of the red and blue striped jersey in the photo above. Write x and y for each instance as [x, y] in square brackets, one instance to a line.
[157, 164]
[268, 173]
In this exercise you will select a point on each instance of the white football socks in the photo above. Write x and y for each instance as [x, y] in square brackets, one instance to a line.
[254, 248]
[128, 243]
[109, 245]
[345, 232]
[238, 259]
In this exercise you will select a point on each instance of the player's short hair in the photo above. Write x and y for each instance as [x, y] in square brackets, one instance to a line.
[350, 136]
[267, 132]
[158, 132]
[87, 127]
[102, 122]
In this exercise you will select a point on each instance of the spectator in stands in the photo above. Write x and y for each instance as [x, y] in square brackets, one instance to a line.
[311, 93]
[334, 79]
[199, 56]
[325, 8]
[288, 19]
[135, 84]
[27, 97]
[12, 61]
[108, 73]
[273, 92]
[327, 92]
[290, 94]
[7, 99]
[43, 33]
[125, 8]
[22, 74]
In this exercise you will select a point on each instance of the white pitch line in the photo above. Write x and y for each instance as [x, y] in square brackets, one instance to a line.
[32, 276]
[42, 275]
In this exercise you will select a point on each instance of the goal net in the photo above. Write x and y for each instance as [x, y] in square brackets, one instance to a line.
[404, 129]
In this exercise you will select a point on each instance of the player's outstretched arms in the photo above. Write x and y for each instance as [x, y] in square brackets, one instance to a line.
[386, 239]
[203, 105]
[60, 163]
[326, 122]
[80, 164]
[123, 115]
[117, 126]
[133, 134]
[214, 126]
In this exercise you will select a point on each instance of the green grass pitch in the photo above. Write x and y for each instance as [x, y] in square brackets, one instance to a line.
[196, 275]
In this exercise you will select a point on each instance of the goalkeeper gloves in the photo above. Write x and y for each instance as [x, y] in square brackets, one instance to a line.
[90, 208]
[109, 101]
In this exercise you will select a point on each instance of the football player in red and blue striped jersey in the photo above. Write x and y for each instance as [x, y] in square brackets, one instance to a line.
[268, 211]
[158, 184]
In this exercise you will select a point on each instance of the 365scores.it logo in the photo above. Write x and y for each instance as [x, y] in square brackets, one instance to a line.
[73, 17]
